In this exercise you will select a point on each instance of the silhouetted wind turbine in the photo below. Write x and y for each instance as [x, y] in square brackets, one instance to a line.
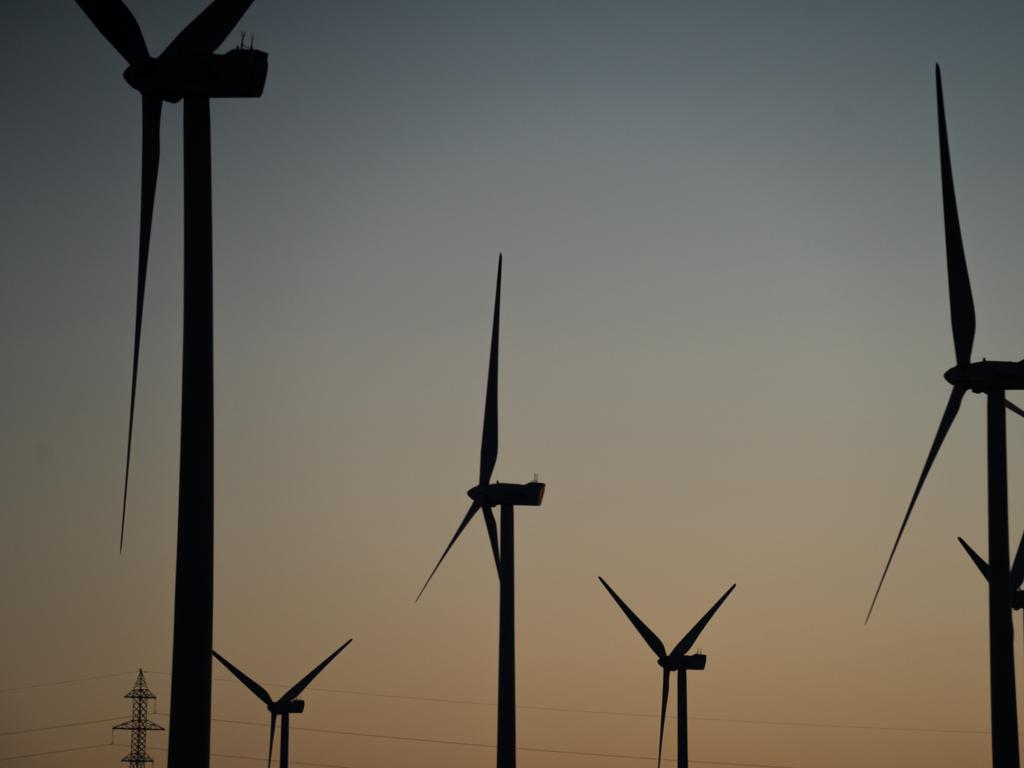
[677, 661]
[286, 705]
[187, 69]
[486, 496]
[991, 378]
[1016, 572]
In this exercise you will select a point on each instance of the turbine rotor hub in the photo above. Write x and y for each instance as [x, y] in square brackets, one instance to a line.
[140, 77]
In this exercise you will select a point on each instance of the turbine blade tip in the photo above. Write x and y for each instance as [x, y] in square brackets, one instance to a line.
[868, 617]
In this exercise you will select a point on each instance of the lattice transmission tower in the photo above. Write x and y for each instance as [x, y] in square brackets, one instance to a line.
[139, 724]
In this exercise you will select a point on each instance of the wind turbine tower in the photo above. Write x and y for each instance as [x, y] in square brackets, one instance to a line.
[678, 661]
[188, 70]
[487, 495]
[284, 706]
[991, 378]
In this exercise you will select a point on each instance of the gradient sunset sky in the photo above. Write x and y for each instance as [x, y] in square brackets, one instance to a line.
[724, 324]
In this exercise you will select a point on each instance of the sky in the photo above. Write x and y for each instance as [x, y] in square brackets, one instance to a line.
[724, 327]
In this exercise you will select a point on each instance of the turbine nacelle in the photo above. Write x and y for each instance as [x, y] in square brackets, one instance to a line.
[293, 707]
[511, 494]
[239, 73]
[693, 661]
[987, 375]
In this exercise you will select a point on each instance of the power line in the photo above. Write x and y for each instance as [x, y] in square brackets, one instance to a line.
[363, 734]
[65, 682]
[56, 752]
[617, 713]
[55, 727]
[907, 729]
[540, 708]
[422, 739]
[262, 759]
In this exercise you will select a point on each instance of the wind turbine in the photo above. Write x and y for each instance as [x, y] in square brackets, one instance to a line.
[285, 706]
[188, 70]
[677, 661]
[1016, 572]
[991, 378]
[487, 495]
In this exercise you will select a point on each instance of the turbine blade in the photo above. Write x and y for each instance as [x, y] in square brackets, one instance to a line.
[961, 303]
[300, 686]
[691, 637]
[247, 681]
[651, 638]
[273, 725]
[458, 532]
[978, 561]
[207, 30]
[1017, 569]
[489, 440]
[151, 108]
[116, 23]
[492, 534]
[952, 406]
[1015, 408]
[664, 707]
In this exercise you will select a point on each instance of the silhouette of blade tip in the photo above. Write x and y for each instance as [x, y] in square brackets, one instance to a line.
[473, 509]
[258, 690]
[691, 637]
[300, 686]
[652, 640]
[956, 396]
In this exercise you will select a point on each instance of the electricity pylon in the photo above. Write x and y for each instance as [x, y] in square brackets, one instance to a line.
[139, 724]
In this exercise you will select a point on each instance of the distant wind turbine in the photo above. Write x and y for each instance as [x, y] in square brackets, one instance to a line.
[487, 495]
[992, 378]
[284, 706]
[677, 661]
[187, 69]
